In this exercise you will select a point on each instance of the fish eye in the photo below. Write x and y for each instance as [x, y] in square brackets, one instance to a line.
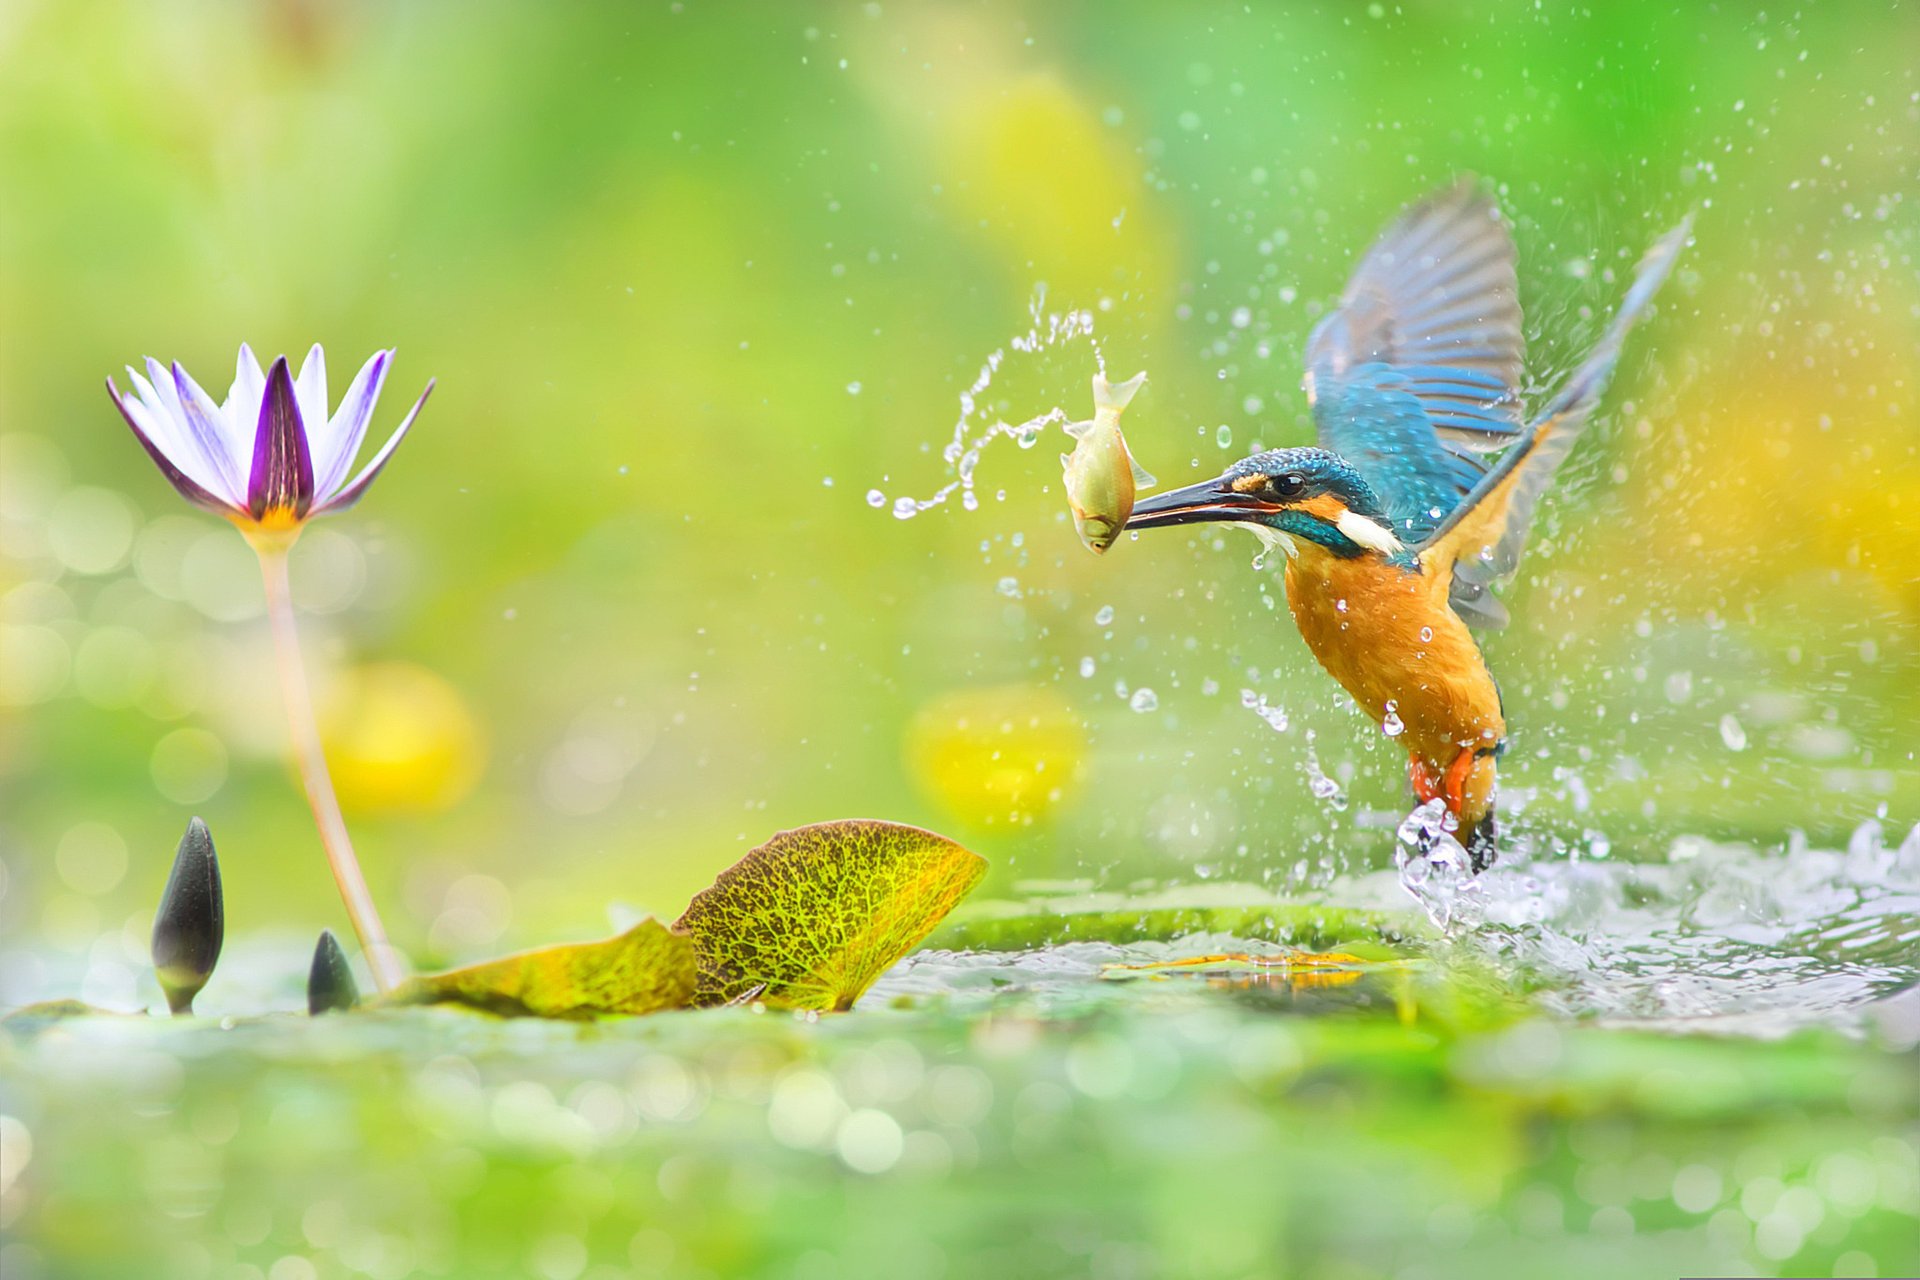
[1290, 485]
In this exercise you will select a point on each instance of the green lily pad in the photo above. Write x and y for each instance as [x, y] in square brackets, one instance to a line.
[1309, 926]
[644, 970]
[812, 917]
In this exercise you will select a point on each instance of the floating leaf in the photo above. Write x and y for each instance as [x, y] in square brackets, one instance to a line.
[31, 1019]
[994, 926]
[330, 984]
[191, 922]
[810, 918]
[1241, 960]
[644, 970]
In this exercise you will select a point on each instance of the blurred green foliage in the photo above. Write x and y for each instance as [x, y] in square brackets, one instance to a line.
[692, 283]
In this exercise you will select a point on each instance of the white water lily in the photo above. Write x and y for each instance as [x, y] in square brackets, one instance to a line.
[269, 457]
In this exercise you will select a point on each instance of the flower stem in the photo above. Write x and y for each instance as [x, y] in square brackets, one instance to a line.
[308, 754]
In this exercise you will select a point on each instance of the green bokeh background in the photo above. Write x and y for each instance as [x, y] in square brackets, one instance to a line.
[646, 253]
[694, 279]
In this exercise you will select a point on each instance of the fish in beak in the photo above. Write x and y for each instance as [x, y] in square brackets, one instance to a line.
[1101, 475]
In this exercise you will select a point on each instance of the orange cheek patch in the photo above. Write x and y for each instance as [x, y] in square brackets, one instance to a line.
[1326, 506]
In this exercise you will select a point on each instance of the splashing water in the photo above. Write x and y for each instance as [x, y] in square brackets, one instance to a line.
[1717, 936]
[1435, 869]
[1276, 717]
[1047, 330]
[1749, 941]
[1319, 782]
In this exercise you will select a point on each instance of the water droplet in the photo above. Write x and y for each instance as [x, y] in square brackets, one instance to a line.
[1224, 436]
[1426, 634]
[1732, 734]
[905, 508]
[1086, 668]
[1009, 587]
[1276, 717]
[1144, 699]
[1104, 618]
[1322, 786]
[1391, 724]
[875, 498]
[853, 388]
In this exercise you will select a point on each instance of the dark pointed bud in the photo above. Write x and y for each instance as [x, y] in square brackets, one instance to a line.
[330, 983]
[191, 922]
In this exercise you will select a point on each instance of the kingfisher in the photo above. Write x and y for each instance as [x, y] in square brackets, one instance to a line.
[1416, 500]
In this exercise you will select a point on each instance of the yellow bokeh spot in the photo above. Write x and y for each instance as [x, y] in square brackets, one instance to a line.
[400, 739]
[1053, 186]
[1000, 754]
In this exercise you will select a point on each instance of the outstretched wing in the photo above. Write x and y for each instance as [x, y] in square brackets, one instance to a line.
[1418, 370]
[1481, 540]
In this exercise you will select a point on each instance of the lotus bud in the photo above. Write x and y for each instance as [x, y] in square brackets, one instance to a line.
[191, 921]
[330, 984]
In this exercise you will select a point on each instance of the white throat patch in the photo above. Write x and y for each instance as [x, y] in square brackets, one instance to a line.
[1368, 532]
[1271, 538]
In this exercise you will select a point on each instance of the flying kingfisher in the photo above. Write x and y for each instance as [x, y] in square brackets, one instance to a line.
[1398, 524]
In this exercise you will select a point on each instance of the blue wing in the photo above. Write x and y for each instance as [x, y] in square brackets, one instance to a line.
[1417, 372]
[1483, 537]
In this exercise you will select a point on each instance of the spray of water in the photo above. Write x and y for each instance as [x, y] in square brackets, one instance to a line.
[1046, 331]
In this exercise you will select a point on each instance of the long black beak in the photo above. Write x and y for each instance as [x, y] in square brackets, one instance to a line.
[1196, 504]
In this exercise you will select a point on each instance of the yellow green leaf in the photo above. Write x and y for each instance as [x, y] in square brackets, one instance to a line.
[810, 918]
[644, 970]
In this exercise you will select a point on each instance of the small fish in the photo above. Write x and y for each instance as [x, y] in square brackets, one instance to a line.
[1101, 475]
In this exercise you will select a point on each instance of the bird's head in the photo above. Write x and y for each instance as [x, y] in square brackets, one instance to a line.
[1285, 496]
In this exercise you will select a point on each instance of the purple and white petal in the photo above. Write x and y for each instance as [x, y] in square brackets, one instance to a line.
[161, 415]
[163, 384]
[310, 391]
[281, 479]
[164, 429]
[355, 491]
[206, 425]
[335, 445]
[183, 484]
[243, 401]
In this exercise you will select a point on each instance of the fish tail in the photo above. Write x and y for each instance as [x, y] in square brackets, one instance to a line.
[1107, 395]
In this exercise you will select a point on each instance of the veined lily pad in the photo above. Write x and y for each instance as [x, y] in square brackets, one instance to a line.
[812, 917]
[806, 921]
[644, 970]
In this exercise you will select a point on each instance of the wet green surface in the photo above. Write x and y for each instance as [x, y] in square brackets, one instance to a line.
[1030, 1113]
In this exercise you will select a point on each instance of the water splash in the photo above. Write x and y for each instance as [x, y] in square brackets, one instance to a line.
[1046, 331]
[1436, 870]
[1721, 935]
[1276, 717]
[1319, 782]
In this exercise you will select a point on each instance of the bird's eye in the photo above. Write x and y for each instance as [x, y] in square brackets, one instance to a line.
[1290, 485]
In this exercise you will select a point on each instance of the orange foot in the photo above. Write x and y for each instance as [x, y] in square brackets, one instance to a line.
[1449, 786]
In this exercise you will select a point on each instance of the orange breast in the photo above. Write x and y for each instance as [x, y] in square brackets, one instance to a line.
[1389, 637]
